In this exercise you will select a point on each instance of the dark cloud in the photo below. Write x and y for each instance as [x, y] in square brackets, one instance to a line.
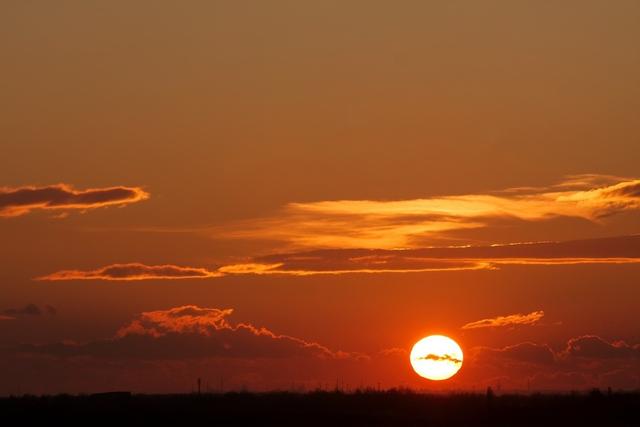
[441, 358]
[587, 361]
[594, 347]
[611, 247]
[133, 271]
[30, 310]
[585, 348]
[526, 352]
[22, 200]
[616, 250]
[189, 332]
[165, 350]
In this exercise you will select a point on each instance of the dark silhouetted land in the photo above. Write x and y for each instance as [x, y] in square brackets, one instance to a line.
[389, 408]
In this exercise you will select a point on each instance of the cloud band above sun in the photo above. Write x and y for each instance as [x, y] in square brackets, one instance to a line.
[63, 197]
[618, 250]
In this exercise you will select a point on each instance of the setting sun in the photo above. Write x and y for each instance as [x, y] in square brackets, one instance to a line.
[436, 357]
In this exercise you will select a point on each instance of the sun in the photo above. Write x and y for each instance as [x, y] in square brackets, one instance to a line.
[436, 357]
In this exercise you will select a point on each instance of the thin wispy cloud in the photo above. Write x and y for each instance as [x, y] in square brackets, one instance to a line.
[509, 321]
[63, 198]
[285, 269]
[403, 223]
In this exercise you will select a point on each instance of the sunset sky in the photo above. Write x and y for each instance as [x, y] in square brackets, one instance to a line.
[290, 194]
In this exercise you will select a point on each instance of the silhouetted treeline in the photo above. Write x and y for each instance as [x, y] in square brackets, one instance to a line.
[392, 408]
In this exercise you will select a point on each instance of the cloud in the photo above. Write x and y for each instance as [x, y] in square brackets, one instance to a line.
[166, 350]
[29, 310]
[586, 361]
[63, 197]
[594, 347]
[189, 332]
[526, 352]
[133, 271]
[441, 358]
[577, 350]
[618, 250]
[405, 223]
[285, 269]
[507, 321]
[184, 319]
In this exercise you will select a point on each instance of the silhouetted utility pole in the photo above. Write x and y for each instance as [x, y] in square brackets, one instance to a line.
[199, 384]
[490, 394]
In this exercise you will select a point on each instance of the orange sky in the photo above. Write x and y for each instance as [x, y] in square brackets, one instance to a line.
[350, 178]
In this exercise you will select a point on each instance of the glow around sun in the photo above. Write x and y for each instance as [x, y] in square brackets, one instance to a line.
[436, 357]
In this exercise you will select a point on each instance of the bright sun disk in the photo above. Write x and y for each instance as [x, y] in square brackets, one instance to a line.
[436, 357]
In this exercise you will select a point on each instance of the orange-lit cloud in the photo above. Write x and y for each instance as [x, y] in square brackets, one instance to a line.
[63, 197]
[403, 223]
[133, 271]
[425, 266]
[507, 321]
[184, 319]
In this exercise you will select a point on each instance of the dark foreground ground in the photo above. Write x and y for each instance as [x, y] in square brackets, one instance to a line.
[326, 409]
